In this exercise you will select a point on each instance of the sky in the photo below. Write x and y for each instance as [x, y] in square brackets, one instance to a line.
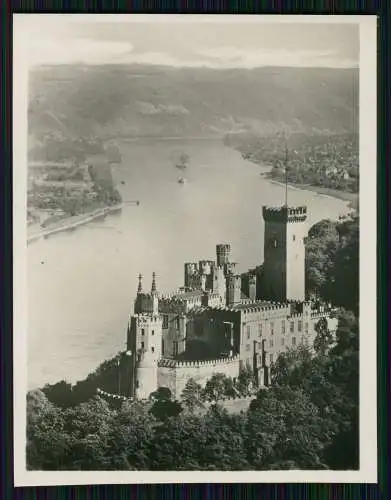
[179, 42]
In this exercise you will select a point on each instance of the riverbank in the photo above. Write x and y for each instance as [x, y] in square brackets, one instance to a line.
[351, 198]
[73, 222]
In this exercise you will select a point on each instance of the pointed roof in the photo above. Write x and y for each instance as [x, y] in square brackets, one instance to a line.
[140, 286]
[153, 288]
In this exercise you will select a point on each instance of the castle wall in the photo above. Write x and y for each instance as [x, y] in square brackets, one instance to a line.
[295, 265]
[279, 329]
[175, 375]
[212, 327]
[274, 270]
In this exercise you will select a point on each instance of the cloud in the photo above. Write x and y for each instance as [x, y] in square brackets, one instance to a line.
[47, 50]
[227, 57]
[47, 47]
[147, 108]
[231, 57]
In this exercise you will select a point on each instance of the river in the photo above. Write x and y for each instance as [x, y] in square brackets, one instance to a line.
[81, 284]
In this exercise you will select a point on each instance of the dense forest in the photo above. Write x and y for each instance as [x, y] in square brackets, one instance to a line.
[307, 418]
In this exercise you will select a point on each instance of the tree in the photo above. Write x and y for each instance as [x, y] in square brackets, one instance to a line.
[163, 406]
[47, 441]
[217, 387]
[342, 285]
[192, 395]
[59, 394]
[245, 381]
[88, 426]
[324, 339]
[179, 443]
[130, 437]
[284, 427]
[161, 394]
[321, 245]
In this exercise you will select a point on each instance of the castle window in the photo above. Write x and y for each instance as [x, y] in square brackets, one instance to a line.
[271, 343]
[300, 326]
[248, 347]
[248, 331]
[165, 321]
[177, 323]
[152, 349]
[306, 327]
[162, 346]
[293, 340]
[142, 345]
[282, 342]
[153, 332]
[272, 328]
[275, 243]
[142, 331]
[271, 358]
[260, 330]
[292, 326]
[283, 327]
[294, 237]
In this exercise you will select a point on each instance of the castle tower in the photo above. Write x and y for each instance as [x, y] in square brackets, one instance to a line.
[218, 283]
[252, 287]
[234, 286]
[223, 252]
[191, 270]
[145, 340]
[284, 253]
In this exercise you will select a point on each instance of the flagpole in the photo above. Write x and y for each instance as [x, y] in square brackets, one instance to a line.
[286, 173]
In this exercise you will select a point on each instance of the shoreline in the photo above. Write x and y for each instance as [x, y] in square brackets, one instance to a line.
[68, 224]
[350, 198]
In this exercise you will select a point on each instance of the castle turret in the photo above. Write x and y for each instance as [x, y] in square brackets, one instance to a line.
[218, 283]
[284, 253]
[146, 303]
[223, 252]
[191, 271]
[234, 285]
[145, 341]
[251, 287]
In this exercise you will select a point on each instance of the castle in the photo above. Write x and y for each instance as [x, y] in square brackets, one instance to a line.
[221, 321]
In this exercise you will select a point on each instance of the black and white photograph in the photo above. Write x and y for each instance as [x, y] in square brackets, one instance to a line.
[193, 298]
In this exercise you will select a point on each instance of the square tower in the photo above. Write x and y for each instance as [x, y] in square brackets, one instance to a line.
[284, 253]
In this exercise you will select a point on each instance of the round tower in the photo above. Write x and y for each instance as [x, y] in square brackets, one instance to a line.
[145, 341]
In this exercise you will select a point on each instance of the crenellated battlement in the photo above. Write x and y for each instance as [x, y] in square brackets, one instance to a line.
[321, 314]
[284, 214]
[173, 363]
[296, 315]
[145, 316]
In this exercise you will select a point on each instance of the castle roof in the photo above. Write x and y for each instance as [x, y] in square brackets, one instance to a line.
[243, 306]
[189, 295]
[251, 305]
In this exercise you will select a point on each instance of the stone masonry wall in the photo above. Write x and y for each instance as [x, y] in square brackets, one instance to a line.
[174, 374]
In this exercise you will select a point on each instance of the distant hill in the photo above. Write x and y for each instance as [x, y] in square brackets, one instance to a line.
[103, 102]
